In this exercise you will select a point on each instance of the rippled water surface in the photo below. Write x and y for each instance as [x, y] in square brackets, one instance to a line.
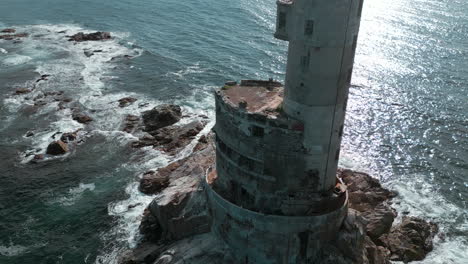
[407, 119]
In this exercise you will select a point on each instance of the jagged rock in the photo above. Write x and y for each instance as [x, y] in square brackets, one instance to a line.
[375, 254]
[202, 143]
[180, 208]
[161, 116]
[88, 53]
[81, 118]
[8, 30]
[150, 227]
[153, 182]
[365, 192]
[22, 90]
[130, 123]
[351, 237]
[379, 220]
[29, 134]
[411, 240]
[79, 37]
[13, 36]
[126, 101]
[57, 148]
[145, 253]
[171, 139]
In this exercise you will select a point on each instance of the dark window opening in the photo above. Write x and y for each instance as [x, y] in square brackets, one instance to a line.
[229, 152]
[355, 43]
[337, 154]
[246, 163]
[282, 20]
[258, 131]
[350, 74]
[243, 192]
[305, 61]
[341, 131]
[309, 28]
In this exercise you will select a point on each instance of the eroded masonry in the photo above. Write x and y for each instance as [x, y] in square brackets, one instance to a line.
[274, 195]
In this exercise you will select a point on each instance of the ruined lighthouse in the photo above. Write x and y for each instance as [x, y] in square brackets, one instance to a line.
[274, 195]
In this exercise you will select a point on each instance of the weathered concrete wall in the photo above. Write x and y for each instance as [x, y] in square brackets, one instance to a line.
[322, 37]
[260, 238]
[262, 164]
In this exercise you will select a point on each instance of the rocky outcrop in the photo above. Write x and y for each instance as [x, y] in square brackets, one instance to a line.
[57, 148]
[410, 240]
[153, 182]
[126, 101]
[8, 30]
[13, 36]
[81, 118]
[79, 37]
[22, 90]
[161, 116]
[68, 137]
[171, 139]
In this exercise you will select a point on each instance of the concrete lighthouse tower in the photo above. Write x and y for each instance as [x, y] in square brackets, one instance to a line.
[274, 196]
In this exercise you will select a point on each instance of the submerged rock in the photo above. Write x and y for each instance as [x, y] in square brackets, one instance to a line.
[57, 148]
[79, 37]
[161, 116]
[8, 30]
[126, 101]
[153, 182]
[172, 138]
[22, 91]
[81, 118]
[68, 137]
[13, 36]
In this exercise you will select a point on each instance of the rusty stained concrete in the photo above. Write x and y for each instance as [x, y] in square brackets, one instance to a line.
[254, 96]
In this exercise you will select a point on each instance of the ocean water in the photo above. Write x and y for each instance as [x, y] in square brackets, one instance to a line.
[407, 119]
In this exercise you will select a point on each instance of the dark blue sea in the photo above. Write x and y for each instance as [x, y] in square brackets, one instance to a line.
[407, 119]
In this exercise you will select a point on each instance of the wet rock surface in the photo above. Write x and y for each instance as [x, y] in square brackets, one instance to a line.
[13, 36]
[126, 101]
[8, 30]
[57, 148]
[161, 116]
[79, 37]
[81, 118]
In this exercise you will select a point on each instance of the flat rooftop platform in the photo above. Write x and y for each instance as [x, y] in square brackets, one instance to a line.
[255, 96]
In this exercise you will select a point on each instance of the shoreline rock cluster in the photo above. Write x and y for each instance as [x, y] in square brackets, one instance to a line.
[175, 227]
[63, 142]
